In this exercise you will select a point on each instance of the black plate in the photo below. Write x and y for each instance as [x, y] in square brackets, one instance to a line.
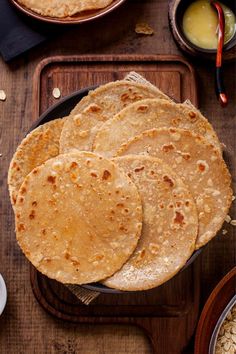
[62, 109]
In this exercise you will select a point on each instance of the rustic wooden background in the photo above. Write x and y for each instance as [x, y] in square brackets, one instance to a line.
[24, 326]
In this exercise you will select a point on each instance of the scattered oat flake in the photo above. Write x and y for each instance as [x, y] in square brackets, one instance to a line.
[224, 232]
[233, 198]
[56, 92]
[223, 146]
[3, 96]
[228, 218]
[226, 340]
[233, 222]
[143, 28]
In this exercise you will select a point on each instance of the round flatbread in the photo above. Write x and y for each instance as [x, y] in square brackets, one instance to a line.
[99, 106]
[63, 8]
[148, 114]
[78, 218]
[201, 167]
[170, 225]
[38, 146]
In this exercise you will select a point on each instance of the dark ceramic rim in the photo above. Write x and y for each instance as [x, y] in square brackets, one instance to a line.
[73, 20]
[60, 109]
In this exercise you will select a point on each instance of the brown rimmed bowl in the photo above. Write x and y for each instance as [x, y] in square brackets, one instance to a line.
[218, 304]
[62, 109]
[81, 17]
[177, 9]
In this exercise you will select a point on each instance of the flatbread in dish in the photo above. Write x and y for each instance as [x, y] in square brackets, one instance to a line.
[78, 218]
[63, 8]
[99, 106]
[148, 114]
[37, 147]
[201, 167]
[170, 225]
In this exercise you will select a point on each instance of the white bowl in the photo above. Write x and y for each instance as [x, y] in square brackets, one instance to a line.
[3, 294]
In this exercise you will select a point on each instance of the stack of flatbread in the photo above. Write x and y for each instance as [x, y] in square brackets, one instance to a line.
[63, 8]
[122, 191]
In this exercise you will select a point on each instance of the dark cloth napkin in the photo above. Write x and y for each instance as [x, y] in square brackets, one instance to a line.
[18, 33]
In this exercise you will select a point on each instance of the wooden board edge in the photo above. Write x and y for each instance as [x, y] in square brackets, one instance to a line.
[181, 312]
[106, 58]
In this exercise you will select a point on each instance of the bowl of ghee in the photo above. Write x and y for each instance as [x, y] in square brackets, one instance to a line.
[195, 26]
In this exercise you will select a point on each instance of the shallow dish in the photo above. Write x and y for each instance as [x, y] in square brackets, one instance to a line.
[61, 109]
[84, 16]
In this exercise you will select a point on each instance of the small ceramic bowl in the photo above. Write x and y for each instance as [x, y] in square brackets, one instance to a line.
[3, 294]
[177, 9]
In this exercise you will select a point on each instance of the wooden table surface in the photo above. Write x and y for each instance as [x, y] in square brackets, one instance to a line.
[24, 326]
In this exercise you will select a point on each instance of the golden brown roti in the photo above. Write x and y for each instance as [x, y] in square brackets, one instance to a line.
[170, 225]
[201, 167]
[38, 146]
[63, 8]
[78, 218]
[148, 114]
[99, 106]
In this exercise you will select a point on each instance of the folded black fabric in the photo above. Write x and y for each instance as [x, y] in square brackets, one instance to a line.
[18, 33]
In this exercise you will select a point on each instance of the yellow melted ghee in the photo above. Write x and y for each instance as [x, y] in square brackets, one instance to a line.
[200, 22]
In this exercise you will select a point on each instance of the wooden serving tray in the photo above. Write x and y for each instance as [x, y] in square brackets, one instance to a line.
[171, 74]
[168, 313]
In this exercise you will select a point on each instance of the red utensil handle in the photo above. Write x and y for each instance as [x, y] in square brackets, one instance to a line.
[219, 83]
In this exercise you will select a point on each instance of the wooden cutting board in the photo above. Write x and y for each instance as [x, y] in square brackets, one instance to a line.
[168, 313]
